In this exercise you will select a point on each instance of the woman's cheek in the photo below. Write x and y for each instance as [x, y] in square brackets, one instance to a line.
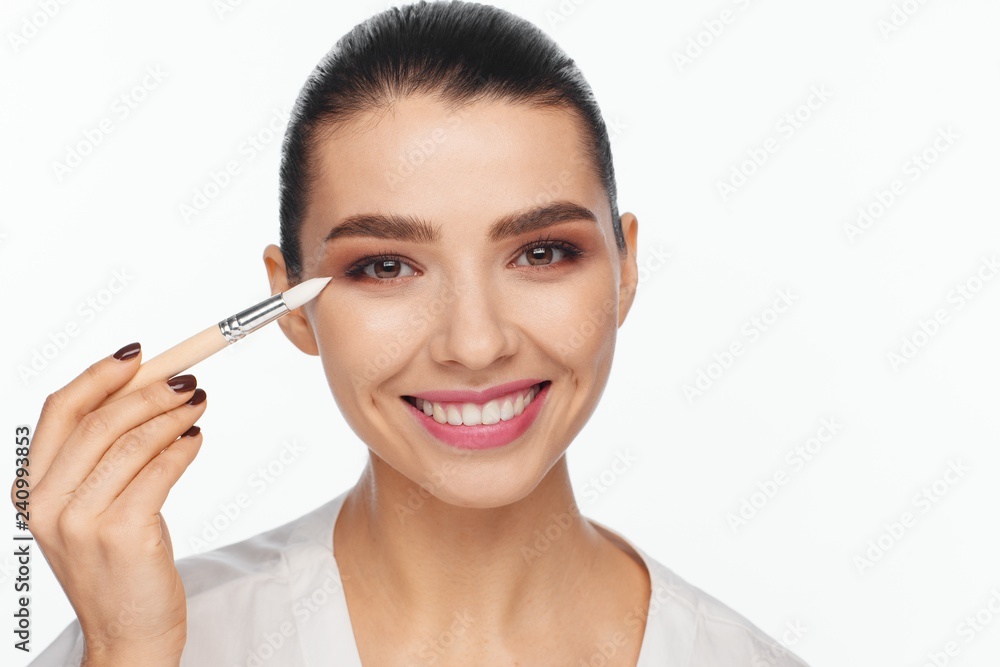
[576, 320]
[371, 339]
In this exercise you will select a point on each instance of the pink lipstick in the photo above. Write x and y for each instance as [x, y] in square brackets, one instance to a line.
[479, 419]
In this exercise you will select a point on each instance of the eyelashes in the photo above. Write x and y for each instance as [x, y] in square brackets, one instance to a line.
[369, 266]
[359, 269]
[569, 251]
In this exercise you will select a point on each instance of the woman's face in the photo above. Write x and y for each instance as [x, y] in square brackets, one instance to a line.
[469, 249]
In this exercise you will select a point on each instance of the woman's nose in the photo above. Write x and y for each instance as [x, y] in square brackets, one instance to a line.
[474, 329]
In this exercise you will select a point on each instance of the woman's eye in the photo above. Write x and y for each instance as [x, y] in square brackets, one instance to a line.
[385, 269]
[541, 255]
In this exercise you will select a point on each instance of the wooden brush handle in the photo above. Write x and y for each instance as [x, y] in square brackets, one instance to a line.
[179, 358]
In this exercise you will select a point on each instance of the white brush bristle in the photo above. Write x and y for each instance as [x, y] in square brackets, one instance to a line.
[304, 292]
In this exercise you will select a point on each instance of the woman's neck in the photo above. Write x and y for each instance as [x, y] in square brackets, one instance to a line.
[509, 570]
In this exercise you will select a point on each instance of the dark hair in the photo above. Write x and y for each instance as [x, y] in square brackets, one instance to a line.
[462, 50]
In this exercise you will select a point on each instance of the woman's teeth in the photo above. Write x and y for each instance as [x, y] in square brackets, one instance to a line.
[472, 414]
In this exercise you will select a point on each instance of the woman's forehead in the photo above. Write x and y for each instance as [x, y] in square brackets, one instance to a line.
[421, 154]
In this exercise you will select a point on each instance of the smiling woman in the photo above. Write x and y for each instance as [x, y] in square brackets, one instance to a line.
[467, 335]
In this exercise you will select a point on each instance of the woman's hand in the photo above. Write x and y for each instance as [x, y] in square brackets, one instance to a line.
[99, 475]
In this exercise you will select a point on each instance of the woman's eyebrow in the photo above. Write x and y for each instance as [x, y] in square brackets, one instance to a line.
[408, 228]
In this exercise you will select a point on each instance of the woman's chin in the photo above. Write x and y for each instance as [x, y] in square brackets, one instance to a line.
[471, 486]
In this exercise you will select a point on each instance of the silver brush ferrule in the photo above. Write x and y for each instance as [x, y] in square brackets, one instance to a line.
[247, 321]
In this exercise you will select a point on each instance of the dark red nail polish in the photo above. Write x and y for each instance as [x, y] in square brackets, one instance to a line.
[198, 397]
[182, 383]
[128, 352]
[194, 430]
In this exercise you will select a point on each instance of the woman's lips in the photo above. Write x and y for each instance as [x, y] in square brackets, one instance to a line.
[477, 396]
[500, 407]
[480, 426]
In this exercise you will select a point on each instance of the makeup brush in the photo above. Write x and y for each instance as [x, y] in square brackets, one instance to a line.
[202, 345]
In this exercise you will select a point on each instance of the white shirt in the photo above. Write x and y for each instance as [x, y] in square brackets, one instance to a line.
[276, 600]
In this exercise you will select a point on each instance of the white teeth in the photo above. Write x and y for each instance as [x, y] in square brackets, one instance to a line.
[471, 414]
[491, 412]
[439, 415]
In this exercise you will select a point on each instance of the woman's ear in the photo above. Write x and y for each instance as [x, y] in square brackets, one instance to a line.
[295, 324]
[630, 271]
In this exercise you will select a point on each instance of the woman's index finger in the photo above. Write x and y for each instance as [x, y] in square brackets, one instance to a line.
[64, 408]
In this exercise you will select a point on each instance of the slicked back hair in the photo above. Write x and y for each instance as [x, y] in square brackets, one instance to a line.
[461, 51]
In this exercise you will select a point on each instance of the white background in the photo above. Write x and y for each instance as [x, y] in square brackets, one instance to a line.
[679, 130]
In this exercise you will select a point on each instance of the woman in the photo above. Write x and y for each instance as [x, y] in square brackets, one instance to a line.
[448, 166]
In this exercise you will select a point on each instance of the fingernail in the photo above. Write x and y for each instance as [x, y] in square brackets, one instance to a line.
[199, 396]
[182, 383]
[194, 430]
[127, 352]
